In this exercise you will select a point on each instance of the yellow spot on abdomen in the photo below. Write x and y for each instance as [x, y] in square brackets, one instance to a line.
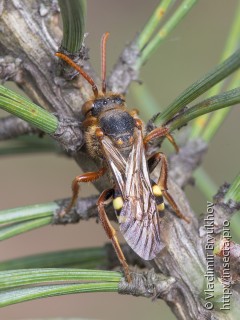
[118, 203]
[157, 190]
[161, 207]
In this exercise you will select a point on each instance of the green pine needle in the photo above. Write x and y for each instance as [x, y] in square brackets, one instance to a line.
[10, 297]
[171, 23]
[27, 110]
[153, 22]
[23, 285]
[15, 229]
[205, 184]
[28, 212]
[84, 258]
[25, 277]
[220, 101]
[199, 87]
[201, 124]
[73, 16]
[234, 191]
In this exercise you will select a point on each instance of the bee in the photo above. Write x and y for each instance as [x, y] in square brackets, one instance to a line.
[117, 137]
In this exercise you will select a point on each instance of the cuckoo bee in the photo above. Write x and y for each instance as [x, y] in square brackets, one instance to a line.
[116, 136]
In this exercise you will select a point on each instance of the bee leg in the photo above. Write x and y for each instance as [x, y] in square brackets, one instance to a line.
[110, 231]
[158, 133]
[85, 177]
[153, 161]
[89, 121]
[162, 182]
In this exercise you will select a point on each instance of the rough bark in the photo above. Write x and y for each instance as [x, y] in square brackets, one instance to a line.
[28, 40]
[11, 127]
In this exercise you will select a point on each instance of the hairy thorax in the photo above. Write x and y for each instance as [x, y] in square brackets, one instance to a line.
[118, 125]
[109, 115]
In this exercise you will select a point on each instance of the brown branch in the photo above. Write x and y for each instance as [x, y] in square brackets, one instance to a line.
[27, 35]
[183, 164]
[10, 69]
[147, 284]
[223, 211]
[125, 71]
[84, 210]
[226, 249]
[69, 135]
[12, 127]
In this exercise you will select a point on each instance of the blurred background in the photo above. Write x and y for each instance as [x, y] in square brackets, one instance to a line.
[190, 51]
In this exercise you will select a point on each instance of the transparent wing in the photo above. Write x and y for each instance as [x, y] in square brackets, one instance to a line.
[139, 220]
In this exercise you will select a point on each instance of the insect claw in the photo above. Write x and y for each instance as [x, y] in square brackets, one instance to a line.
[62, 213]
[129, 279]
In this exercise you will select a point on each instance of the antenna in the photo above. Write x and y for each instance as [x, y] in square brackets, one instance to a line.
[103, 60]
[80, 70]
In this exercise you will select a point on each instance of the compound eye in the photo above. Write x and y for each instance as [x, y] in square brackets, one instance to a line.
[119, 100]
[87, 107]
[98, 104]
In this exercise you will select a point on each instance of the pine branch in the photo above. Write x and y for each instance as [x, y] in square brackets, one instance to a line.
[10, 69]
[12, 127]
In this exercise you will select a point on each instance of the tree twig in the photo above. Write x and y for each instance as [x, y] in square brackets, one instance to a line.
[12, 127]
[10, 69]
[126, 70]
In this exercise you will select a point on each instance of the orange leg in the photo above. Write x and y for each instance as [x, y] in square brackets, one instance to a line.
[89, 121]
[162, 182]
[110, 231]
[158, 133]
[85, 177]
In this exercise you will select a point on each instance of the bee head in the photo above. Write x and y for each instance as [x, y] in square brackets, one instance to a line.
[101, 104]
